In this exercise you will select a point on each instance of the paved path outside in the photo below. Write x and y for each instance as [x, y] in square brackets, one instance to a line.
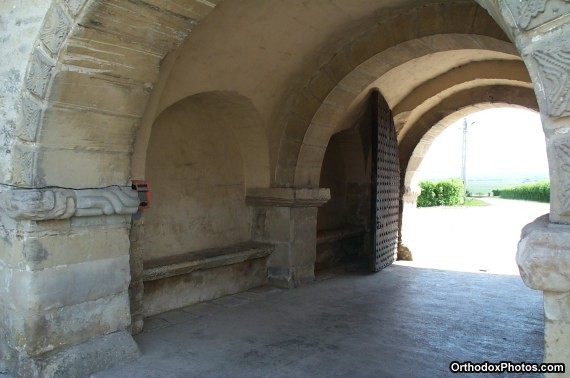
[471, 239]
[405, 321]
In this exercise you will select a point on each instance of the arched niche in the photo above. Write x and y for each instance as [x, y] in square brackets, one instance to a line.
[202, 152]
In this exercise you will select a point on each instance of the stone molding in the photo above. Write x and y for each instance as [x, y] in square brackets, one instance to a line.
[561, 148]
[287, 197]
[47, 204]
[553, 71]
[543, 256]
[529, 14]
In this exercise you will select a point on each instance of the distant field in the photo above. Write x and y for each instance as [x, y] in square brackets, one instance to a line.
[482, 187]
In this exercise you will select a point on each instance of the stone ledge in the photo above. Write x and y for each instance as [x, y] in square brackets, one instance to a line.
[543, 256]
[287, 197]
[206, 259]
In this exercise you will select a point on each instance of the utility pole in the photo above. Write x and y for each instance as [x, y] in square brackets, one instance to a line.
[464, 160]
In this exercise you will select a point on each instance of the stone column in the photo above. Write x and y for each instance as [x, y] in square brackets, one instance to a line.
[543, 257]
[287, 218]
[541, 31]
[136, 287]
[64, 268]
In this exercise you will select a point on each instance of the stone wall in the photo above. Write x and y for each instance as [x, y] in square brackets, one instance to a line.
[195, 170]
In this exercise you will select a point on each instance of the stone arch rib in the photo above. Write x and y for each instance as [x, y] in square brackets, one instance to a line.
[427, 20]
[93, 65]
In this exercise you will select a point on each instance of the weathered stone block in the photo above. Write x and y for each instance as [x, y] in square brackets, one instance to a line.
[99, 92]
[280, 256]
[80, 167]
[35, 333]
[31, 114]
[55, 29]
[164, 29]
[556, 327]
[543, 256]
[91, 51]
[39, 73]
[303, 246]
[357, 81]
[271, 224]
[193, 9]
[64, 285]
[49, 250]
[88, 130]
[341, 98]
[329, 114]
[279, 219]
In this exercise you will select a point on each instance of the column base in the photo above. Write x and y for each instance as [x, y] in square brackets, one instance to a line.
[292, 277]
[96, 354]
[543, 258]
[556, 327]
[404, 253]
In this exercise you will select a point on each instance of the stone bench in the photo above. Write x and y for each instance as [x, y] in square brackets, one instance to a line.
[338, 245]
[178, 281]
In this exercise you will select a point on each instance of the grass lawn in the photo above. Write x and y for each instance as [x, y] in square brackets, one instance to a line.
[470, 202]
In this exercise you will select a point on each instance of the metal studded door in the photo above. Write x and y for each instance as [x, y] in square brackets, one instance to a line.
[385, 184]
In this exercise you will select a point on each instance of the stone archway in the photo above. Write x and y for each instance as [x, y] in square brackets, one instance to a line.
[345, 103]
[81, 79]
[82, 74]
[348, 72]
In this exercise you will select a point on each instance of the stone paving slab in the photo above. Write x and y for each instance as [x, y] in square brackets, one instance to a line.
[403, 321]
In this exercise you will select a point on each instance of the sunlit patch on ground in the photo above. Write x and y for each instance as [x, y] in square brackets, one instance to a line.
[470, 239]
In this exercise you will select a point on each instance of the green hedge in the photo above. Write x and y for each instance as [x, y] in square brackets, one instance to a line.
[536, 191]
[442, 193]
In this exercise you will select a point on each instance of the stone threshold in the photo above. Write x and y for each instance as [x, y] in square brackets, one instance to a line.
[171, 266]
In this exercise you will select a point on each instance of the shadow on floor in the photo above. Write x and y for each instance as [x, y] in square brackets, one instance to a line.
[403, 321]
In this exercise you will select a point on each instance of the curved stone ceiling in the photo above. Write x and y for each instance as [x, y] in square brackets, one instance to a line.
[411, 81]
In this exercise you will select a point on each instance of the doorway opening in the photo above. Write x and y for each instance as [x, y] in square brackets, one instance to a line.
[489, 150]
[362, 168]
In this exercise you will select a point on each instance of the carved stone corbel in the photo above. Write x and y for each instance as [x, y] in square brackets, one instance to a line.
[46, 204]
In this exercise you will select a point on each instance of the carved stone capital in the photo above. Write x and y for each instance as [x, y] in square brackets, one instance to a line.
[288, 197]
[46, 204]
[554, 75]
[543, 256]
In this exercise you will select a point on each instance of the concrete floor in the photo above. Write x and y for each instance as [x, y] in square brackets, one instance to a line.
[402, 322]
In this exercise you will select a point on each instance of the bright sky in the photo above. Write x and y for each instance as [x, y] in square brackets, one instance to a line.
[500, 142]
